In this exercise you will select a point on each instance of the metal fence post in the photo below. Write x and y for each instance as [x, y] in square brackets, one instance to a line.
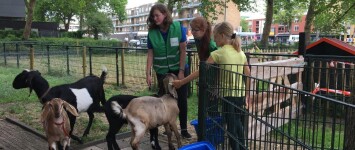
[117, 70]
[201, 102]
[67, 50]
[17, 56]
[84, 60]
[32, 55]
[48, 59]
[4, 53]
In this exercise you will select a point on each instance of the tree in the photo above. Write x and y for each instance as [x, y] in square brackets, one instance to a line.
[334, 24]
[267, 25]
[244, 24]
[63, 11]
[30, 6]
[330, 14]
[99, 23]
[288, 11]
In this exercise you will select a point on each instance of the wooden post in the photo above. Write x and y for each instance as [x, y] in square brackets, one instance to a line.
[125, 45]
[84, 61]
[32, 56]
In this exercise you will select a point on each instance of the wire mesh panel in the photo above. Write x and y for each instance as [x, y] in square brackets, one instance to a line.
[276, 116]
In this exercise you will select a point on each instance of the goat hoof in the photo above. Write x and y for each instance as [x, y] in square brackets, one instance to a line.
[171, 147]
[156, 147]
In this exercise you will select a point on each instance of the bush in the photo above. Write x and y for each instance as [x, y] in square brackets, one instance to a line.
[80, 42]
[77, 34]
[14, 35]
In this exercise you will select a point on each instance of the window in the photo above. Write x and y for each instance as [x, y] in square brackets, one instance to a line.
[296, 20]
[295, 28]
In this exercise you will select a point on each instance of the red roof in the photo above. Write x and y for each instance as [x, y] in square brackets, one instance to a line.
[334, 42]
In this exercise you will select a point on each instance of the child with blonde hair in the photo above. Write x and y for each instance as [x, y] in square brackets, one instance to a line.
[229, 52]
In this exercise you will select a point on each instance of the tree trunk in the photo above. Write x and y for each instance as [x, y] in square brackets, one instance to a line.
[81, 21]
[66, 25]
[309, 20]
[268, 22]
[30, 7]
[350, 123]
[96, 34]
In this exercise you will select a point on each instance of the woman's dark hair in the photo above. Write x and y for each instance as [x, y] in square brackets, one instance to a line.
[201, 23]
[164, 10]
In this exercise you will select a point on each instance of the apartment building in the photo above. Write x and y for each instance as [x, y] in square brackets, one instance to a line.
[278, 32]
[135, 26]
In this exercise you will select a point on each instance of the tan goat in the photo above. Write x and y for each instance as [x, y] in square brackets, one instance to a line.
[149, 112]
[56, 123]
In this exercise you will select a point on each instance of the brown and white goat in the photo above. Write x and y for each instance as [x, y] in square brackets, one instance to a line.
[149, 112]
[56, 123]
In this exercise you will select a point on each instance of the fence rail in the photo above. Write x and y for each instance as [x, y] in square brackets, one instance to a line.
[281, 114]
[287, 109]
[126, 65]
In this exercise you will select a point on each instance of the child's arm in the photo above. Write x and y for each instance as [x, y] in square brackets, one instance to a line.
[178, 83]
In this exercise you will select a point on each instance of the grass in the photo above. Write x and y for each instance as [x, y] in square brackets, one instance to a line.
[19, 105]
[312, 135]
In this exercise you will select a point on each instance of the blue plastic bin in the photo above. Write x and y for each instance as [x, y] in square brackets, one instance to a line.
[204, 145]
[214, 133]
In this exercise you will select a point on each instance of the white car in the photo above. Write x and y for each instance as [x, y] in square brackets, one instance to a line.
[134, 42]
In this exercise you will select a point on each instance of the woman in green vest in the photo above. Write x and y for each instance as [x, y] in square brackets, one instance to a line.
[167, 54]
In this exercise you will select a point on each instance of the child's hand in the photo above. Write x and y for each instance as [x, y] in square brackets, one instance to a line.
[177, 83]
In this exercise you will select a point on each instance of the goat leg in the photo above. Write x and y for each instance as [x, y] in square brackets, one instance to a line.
[138, 133]
[168, 133]
[175, 129]
[115, 125]
[72, 123]
[154, 139]
[91, 118]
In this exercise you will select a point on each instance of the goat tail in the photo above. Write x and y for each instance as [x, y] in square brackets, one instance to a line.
[117, 109]
[103, 74]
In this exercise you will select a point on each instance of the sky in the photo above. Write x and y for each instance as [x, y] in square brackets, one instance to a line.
[259, 14]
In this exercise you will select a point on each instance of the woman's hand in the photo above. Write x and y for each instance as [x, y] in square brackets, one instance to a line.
[149, 80]
[177, 83]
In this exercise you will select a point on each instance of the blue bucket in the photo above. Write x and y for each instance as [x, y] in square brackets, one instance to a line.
[204, 145]
[214, 133]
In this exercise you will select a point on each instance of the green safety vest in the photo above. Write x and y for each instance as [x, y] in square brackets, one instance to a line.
[166, 56]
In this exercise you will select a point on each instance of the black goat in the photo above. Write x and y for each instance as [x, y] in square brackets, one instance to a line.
[85, 95]
[116, 121]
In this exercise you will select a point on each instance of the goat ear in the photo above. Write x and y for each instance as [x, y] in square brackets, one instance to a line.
[70, 108]
[20, 80]
[45, 111]
[172, 91]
